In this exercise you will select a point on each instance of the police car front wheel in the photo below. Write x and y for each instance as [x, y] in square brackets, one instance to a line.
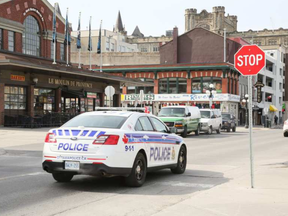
[138, 174]
[62, 177]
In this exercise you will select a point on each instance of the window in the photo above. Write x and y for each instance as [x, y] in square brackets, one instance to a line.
[155, 49]
[138, 126]
[172, 85]
[144, 49]
[15, 98]
[269, 81]
[280, 101]
[97, 121]
[31, 37]
[11, 43]
[268, 97]
[280, 86]
[1, 38]
[182, 86]
[272, 42]
[196, 86]
[107, 46]
[172, 112]
[258, 43]
[146, 124]
[52, 50]
[205, 83]
[44, 100]
[159, 126]
[281, 73]
[112, 47]
[147, 90]
[62, 52]
[123, 49]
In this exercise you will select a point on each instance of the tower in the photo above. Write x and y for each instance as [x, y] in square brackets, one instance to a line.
[119, 28]
[190, 19]
[218, 19]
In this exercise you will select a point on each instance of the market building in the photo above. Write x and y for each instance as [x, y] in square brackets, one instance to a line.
[33, 91]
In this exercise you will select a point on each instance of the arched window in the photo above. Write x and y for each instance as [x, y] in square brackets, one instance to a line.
[31, 37]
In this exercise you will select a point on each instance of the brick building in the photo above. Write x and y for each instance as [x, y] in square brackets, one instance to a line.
[33, 91]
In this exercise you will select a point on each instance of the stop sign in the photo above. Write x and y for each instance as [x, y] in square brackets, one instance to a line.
[250, 60]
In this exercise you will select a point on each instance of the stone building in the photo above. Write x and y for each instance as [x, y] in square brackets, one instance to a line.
[215, 21]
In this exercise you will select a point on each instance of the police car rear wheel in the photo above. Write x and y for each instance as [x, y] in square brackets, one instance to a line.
[138, 174]
[182, 161]
[62, 177]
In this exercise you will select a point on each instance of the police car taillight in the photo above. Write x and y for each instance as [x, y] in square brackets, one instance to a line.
[106, 140]
[50, 138]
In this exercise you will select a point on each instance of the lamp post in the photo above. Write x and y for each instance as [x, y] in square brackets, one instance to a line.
[211, 91]
[246, 101]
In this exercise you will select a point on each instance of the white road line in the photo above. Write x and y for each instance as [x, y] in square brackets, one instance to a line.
[184, 184]
[23, 175]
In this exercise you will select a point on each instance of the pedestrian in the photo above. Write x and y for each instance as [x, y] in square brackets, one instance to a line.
[276, 119]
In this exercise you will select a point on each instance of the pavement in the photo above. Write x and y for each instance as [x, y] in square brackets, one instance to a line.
[217, 180]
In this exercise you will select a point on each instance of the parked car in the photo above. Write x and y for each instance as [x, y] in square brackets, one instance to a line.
[185, 119]
[285, 129]
[211, 120]
[228, 122]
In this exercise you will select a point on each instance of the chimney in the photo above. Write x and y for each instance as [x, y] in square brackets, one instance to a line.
[175, 45]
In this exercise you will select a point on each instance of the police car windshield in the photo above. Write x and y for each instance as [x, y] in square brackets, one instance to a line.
[205, 114]
[96, 121]
[172, 112]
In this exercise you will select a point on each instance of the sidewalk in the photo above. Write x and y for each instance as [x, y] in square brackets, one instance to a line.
[22, 138]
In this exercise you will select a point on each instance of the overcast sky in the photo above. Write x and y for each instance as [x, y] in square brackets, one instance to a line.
[154, 17]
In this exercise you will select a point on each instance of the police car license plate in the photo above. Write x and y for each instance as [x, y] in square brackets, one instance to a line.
[72, 165]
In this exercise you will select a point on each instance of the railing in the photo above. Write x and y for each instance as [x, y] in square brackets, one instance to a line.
[23, 119]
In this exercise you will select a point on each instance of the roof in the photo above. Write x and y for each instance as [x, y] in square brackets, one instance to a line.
[137, 33]
[114, 113]
[21, 61]
[119, 25]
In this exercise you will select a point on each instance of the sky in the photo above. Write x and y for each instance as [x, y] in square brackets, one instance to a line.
[154, 17]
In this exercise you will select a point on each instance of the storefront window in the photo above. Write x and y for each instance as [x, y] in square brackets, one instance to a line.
[196, 86]
[146, 89]
[15, 98]
[163, 86]
[182, 86]
[206, 82]
[44, 100]
[217, 82]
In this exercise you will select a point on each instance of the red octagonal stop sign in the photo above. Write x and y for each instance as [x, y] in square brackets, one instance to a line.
[250, 60]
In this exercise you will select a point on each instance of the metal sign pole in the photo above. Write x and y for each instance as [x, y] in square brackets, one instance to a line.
[250, 130]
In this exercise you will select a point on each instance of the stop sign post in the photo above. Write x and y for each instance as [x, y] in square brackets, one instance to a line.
[249, 61]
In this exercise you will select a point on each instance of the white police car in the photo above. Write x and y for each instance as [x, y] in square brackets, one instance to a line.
[113, 144]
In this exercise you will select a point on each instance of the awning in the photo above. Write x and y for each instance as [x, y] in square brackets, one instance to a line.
[272, 108]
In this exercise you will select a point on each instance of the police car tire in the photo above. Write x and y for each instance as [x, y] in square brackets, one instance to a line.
[184, 134]
[132, 180]
[181, 166]
[62, 177]
[219, 130]
[234, 129]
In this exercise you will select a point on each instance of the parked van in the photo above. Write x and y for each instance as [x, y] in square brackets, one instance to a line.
[211, 120]
[185, 119]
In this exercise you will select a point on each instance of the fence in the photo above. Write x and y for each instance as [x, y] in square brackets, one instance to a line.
[23, 119]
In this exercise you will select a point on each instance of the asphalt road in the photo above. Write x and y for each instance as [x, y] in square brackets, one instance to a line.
[212, 161]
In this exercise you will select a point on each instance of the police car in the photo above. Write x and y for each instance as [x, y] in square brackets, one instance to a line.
[113, 143]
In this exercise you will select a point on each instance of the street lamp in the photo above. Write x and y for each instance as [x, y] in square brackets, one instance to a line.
[211, 91]
[246, 101]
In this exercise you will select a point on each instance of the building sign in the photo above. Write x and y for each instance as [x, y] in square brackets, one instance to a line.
[182, 97]
[17, 78]
[136, 97]
[69, 83]
[259, 85]
[34, 10]
[91, 95]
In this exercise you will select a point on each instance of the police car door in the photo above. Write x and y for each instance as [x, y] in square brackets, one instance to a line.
[165, 146]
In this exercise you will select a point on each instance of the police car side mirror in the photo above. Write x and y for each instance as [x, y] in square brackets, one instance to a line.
[173, 130]
[189, 114]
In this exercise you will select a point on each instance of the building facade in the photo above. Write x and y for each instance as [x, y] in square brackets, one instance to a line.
[33, 91]
[181, 84]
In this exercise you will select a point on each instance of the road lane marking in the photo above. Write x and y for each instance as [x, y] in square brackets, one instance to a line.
[184, 184]
[23, 175]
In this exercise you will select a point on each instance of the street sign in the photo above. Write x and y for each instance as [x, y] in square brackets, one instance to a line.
[250, 60]
[109, 91]
[259, 85]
